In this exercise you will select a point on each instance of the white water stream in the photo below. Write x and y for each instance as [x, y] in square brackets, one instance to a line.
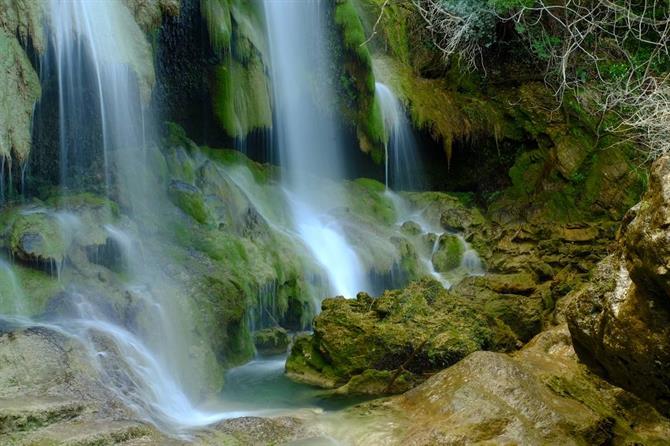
[403, 167]
[309, 146]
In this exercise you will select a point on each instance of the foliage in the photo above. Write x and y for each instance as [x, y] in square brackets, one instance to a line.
[620, 49]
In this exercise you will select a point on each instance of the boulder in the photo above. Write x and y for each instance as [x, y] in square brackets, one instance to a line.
[271, 341]
[539, 395]
[449, 253]
[397, 338]
[36, 237]
[620, 320]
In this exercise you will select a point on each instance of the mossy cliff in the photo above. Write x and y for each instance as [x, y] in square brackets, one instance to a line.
[356, 81]
[241, 96]
[20, 27]
[502, 132]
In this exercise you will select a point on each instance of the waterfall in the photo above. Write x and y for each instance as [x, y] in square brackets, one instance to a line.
[309, 148]
[104, 72]
[403, 164]
[11, 294]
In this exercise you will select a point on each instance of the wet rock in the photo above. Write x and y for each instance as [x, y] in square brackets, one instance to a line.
[519, 283]
[540, 395]
[189, 199]
[449, 253]
[271, 341]
[410, 228]
[420, 329]
[578, 234]
[620, 321]
[523, 314]
[646, 236]
[37, 238]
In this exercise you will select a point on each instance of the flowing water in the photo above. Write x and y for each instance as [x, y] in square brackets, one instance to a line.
[102, 67]
[403, 164]
[104, 72]
[308, 142]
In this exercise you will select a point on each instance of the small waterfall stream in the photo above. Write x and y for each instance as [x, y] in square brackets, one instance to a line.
[309, 147]
[403, 165]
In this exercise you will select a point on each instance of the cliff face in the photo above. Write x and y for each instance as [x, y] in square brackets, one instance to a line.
[20, 28]
[620, 322]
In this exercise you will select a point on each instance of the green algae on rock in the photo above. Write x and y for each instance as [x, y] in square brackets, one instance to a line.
[403, 334]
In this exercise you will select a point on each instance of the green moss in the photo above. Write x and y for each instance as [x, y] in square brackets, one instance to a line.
[241, 97]
[84, 201]
[37, 237]
[449, 253]
[190, 200]
[357, 80]
[422, 328]
[367, 199]
[272, 341]
[353, 34]
[19, 90]
[216, 14]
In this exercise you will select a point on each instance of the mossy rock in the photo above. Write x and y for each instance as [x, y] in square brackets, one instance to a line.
[36, 237]
[421, 329]
[449, 253]
[189, 199]
[271, 341]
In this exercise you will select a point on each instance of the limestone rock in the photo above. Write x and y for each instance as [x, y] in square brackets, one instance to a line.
[539, 395]
[420, 329]
[620, 321]
[646, 238]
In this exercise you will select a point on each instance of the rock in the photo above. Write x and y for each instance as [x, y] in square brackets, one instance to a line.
[519, 283]
[420, 329]
[540, 395]
[570, 151]
[620, 321]
[523, 314]
[449, 253]
[580, 235]
[37, 238]
[50, 393]
[410, 228]
[189, 199]
[271, 341]
[646, 237]
[19, 83]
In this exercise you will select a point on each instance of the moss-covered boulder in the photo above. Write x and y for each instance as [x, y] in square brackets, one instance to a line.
[401, 335]
[38, 238]
[449, 253]
[271, 341]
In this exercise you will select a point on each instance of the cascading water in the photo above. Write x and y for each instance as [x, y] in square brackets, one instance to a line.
[99, 59]
[403, 165]
[308, 143]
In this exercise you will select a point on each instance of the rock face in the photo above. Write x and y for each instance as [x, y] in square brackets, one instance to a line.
[620, 321]
[51, 395]
[539, 395]
[386, 345]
